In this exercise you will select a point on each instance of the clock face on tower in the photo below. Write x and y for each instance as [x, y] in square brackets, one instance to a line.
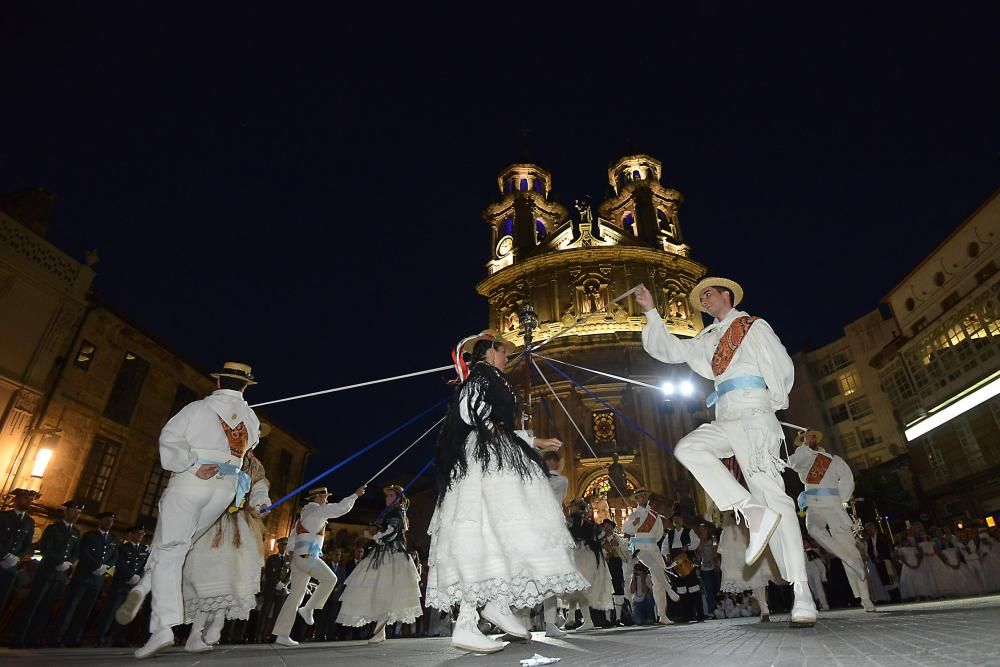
[504, 247]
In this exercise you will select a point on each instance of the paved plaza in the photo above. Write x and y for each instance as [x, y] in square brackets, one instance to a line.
[953, 632]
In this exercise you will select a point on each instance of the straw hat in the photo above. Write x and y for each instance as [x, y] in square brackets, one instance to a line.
[491, 335]
[234, 369]
[318, 491]
[705, 283]
[800, 439]
[638, 492]
[393, 488]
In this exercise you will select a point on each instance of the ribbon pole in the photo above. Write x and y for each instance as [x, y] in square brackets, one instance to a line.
[356, 454]
[354, 386]
[408, 448]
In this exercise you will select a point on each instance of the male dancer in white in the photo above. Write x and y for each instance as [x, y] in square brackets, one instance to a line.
[644, 527]
[753, 375]
[203, 446]
[829, 484]
[306, 545]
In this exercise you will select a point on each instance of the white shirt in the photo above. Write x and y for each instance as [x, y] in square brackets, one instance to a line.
[559, 484]
[838, 476]
[260, 493]
[314, 515]
[197, 426]
[636, 519]
[761, 353]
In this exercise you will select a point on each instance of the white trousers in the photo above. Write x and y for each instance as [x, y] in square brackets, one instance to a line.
[830, 527]
[650, 557]
[187, 508]
[754, 443]
[818, 592]
[304, 569]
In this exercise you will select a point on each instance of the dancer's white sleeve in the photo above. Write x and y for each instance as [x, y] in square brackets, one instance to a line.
[775, 366]
[801, 461]
[845, 484]
[334, 510]
[668, 348]
[260, 493]
[175, 449]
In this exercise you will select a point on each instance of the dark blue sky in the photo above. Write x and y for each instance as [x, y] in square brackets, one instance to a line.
[317, 171]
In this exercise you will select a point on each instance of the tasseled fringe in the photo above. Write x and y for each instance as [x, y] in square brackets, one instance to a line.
[762, 461]
[231, 522]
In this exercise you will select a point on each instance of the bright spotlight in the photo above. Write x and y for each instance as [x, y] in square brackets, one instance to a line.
[687, 388]
[668, 388]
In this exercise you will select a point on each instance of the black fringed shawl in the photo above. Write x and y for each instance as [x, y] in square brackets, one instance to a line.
[492, 405]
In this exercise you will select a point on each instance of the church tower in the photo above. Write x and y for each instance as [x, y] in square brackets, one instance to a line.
[569, 269]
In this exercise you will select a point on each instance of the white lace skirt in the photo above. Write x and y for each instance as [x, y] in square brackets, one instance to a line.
[497, 537]
[600, 595]
[389, 592]
[222, 570]
[737, 576]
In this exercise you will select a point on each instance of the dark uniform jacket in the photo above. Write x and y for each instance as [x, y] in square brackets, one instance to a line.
[277, 569]
[16, 533]
[96, 549]
[131, 561]
[60, 543]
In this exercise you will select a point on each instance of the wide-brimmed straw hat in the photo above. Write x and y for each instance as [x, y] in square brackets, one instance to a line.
[393, 488]
[800, 439]
[318, 491]
[638, 492]
[236, 370]
[705, 283]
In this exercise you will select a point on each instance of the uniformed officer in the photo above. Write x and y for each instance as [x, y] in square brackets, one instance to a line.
[17, 531]
[98, 554]
[277, 572]
[60, 547]
[132, 555]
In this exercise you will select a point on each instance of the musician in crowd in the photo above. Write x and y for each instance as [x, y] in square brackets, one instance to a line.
[680, 548]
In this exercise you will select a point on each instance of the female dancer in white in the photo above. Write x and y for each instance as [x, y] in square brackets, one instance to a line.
[498, 536]
[590, 563]
[737, 576]
[384, 587]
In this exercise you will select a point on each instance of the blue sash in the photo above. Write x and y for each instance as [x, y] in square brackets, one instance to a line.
[742, 382]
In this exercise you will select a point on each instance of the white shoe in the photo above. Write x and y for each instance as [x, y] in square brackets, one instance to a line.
[552, 630]
[214, 632]
[762, 526]
[804, 609]
[503, 618]
[307, 615]
[195, 644]
[285, 640]
[466, 634]
[868, 605]
[158, 641]
[378, 637]
[664, 620]
[129, 609]
[588, 624]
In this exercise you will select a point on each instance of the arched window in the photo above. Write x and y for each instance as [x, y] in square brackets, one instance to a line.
[636, 176]
[539, 186]
[540, 231]
[524, 185]
[507, 228]
[628, 222]
[602, 485]
[661, 218]
[508, 186]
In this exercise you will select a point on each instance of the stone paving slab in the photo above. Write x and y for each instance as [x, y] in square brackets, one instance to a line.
[953, 632]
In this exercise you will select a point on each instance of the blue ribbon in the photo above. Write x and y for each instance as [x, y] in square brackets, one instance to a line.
[357, 454]
[742, 382]
[822, 491]
[231, 470]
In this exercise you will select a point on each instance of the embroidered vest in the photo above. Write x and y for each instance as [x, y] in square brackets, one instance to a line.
[730, 342]
[818, 469]
[237, 437]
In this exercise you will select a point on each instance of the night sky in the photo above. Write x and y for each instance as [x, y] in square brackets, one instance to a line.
[300, 186]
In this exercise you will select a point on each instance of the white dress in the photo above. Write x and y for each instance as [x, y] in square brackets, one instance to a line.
[594, 568]
[989, 557]
[384, 586]
[222, 569]
[496, 536]
[955, 583]
[937, 573]
[912, 582]
[737, 576]
[977, 579]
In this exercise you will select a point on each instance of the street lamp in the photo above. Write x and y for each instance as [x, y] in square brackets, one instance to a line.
[42, 459]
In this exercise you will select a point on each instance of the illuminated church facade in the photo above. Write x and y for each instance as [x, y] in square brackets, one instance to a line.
[569, 267]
